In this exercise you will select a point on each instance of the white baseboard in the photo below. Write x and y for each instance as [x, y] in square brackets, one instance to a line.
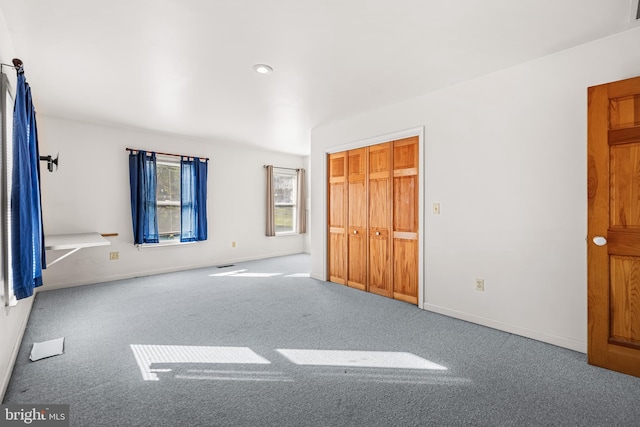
[317, 276]
[124, 276]
[16, 347]
[571, 344]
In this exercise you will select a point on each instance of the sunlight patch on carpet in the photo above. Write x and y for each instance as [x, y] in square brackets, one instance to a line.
[147, 355]
[362, 359]
[228, 273]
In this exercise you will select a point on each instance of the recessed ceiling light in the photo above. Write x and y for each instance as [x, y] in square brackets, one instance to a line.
[262, 69]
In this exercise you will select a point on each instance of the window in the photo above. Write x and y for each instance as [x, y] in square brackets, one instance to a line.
[168, 198]
[286, 209]
[285, 193]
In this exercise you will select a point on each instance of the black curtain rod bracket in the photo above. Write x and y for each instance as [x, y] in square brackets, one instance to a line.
[17, 63]
[50, 161]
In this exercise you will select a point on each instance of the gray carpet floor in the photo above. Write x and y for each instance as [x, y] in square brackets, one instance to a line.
[224, 367]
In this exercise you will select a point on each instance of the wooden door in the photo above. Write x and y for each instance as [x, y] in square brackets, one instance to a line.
[405, 220]
[337, 218]
[357, 219]
[380, 220]
[613, 241]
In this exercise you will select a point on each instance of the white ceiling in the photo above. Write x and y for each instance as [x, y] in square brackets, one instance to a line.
[184, 66]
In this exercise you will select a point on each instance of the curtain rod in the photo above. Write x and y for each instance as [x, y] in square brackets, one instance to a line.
[168, 154]
[17, 63]
[278, 167]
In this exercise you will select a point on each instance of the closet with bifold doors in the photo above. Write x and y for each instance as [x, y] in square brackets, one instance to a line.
[372, 204]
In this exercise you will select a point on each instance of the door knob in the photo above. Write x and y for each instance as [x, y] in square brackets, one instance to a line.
[355, 231]
[377, 233]
[599, 241]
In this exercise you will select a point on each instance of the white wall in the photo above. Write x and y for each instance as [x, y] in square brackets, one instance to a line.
[90, 192]
[12, 319]
[506, 159]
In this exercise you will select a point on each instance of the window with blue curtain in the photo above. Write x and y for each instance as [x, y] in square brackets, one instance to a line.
[151, 182]
[27, 233]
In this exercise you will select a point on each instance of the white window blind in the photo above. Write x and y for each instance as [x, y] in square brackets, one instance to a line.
[6, 132]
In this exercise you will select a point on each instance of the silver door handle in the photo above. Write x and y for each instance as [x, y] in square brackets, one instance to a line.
[599, 241]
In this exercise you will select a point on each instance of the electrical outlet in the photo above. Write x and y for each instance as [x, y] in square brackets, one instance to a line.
[480, 285]
[113, 256]
[436, 208]
[233, 244]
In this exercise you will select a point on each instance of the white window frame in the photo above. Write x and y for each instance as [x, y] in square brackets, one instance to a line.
[289, 173]
[173, 237]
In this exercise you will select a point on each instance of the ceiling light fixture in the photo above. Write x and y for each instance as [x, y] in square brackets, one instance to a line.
[262, 69]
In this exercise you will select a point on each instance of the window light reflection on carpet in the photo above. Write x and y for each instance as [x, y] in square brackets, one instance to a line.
[362, 359]
[148, 355]
[243, 273]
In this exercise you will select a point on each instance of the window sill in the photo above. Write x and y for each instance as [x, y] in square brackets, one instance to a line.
[145, 246]
[288, 233]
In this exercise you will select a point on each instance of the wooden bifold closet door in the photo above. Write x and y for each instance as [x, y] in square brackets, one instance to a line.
[405, 220]
[357, 219]
[373, 219]
[337, 215]
[380, 220]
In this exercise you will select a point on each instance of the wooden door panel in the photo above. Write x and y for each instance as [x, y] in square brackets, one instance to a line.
[336, 199]
[379, 266]
[357, 205]
[625, 185]
[357, 164]
[338, 258]
[625, 300]
[405, 153]
[405, 206]
[379, 204]
[357, 263]
[380, 159]
[337, 166]
[624, 112]
[405, 278]
[623, 241]
[614, 213]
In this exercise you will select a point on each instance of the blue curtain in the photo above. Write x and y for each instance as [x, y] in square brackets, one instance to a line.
[27, 234]
[193, 199]
[201, 171]
[143, 182]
